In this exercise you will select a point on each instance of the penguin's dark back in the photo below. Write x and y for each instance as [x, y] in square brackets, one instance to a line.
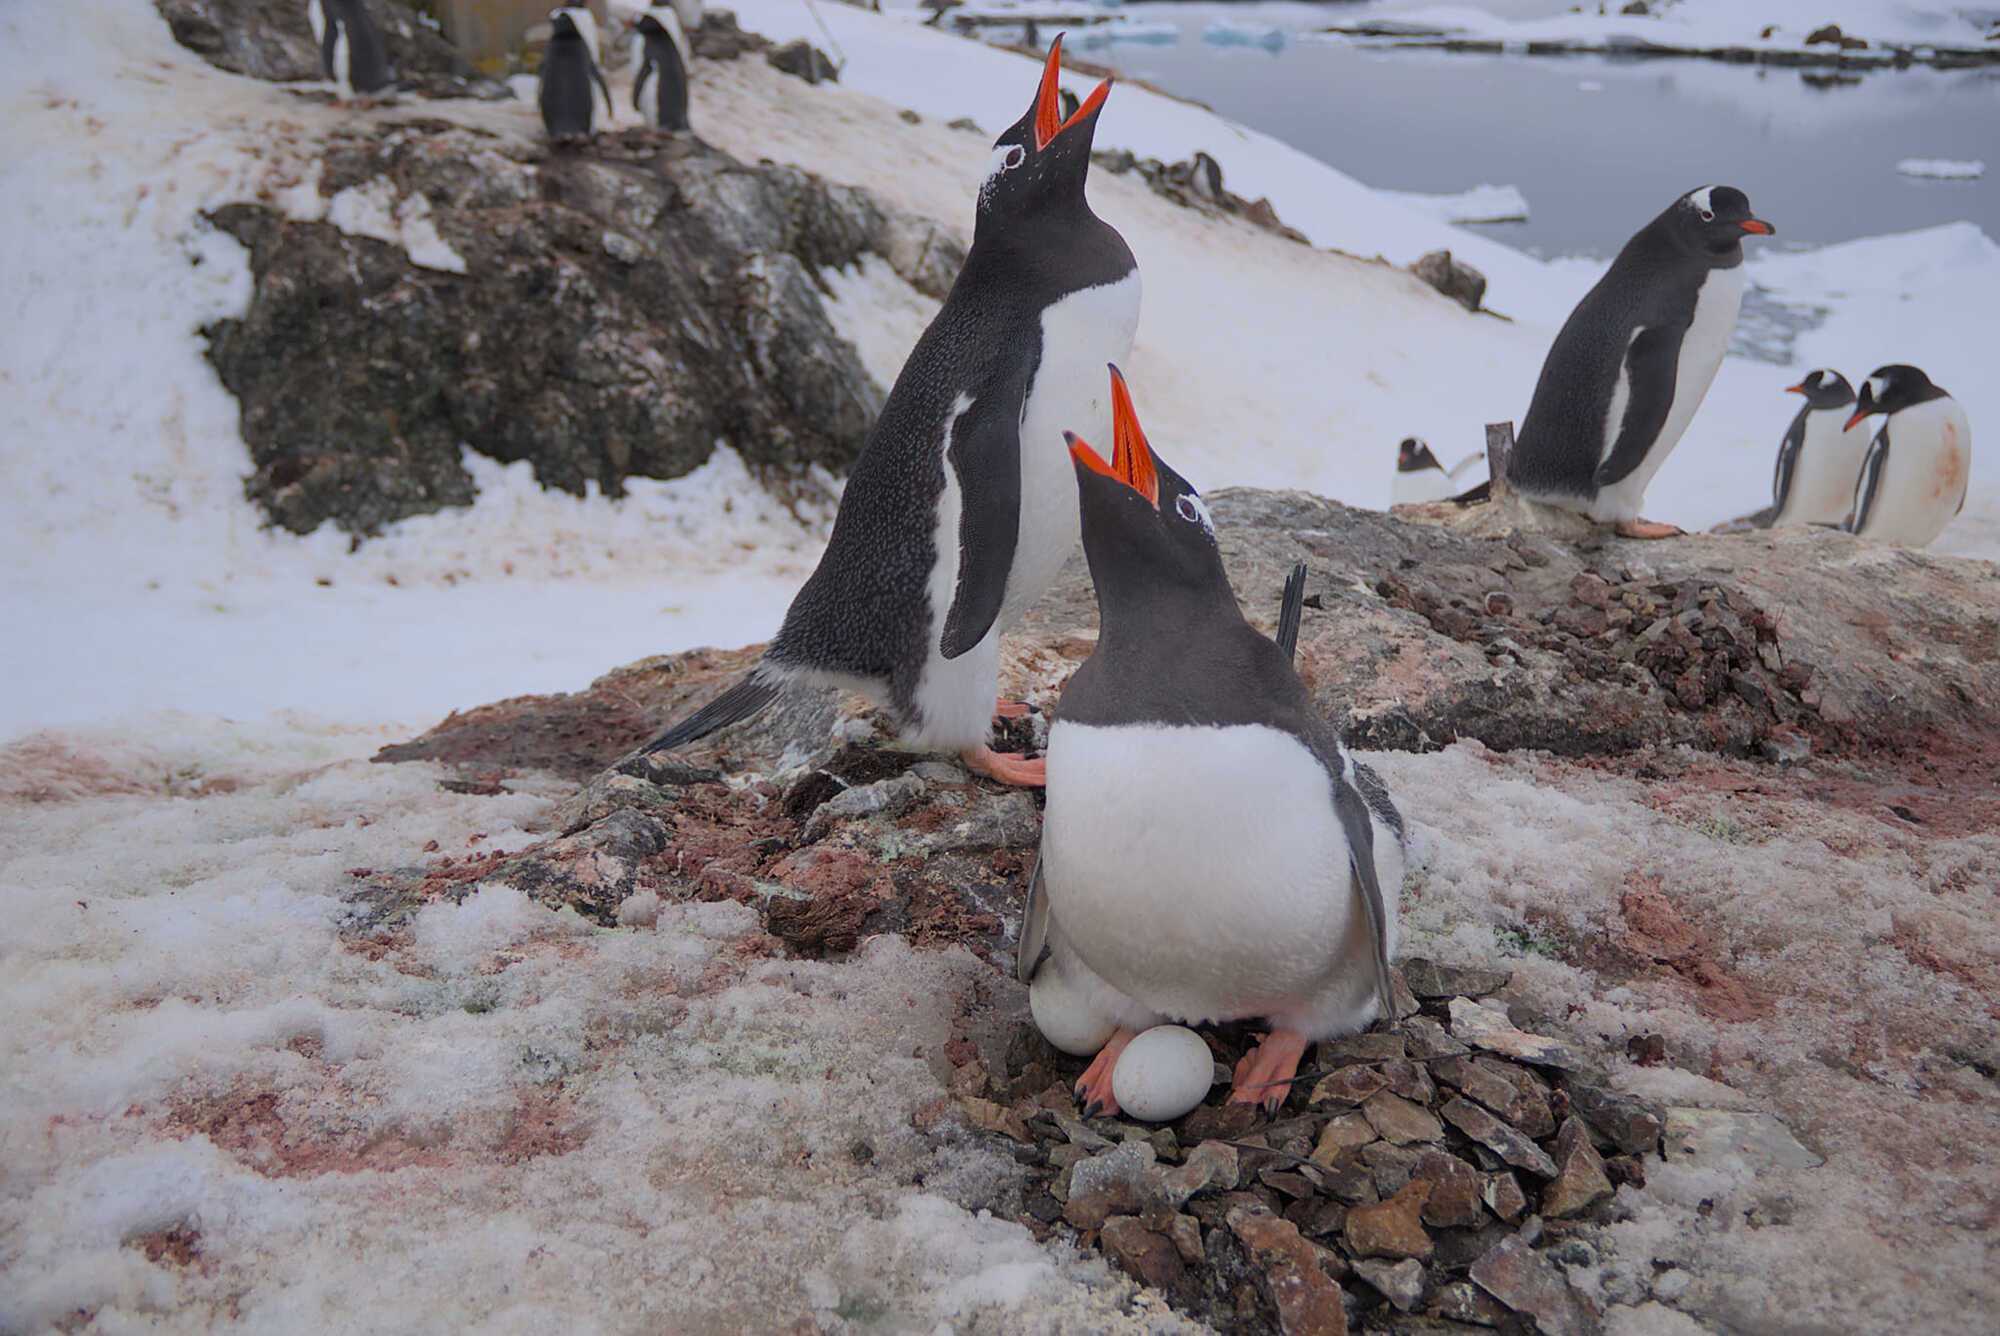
[1652, 284]
[566, 89]
[670, 86]
[368, 54]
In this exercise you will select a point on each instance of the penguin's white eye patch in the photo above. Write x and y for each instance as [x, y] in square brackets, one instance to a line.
[1192, 509]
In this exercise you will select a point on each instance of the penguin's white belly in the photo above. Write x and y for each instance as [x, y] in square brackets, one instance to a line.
[1702, 347]
[1924, 479]
[1823, 479]
[1422, 486]
[316, 16]
[343, 68]
[1202, 872]
[1071, 392]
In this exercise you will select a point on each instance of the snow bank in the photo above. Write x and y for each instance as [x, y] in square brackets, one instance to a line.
[1481, 204]
[1769, 24]
[1942, 169]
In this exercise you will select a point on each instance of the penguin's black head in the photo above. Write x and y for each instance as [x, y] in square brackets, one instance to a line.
[1414, 456]
[649, 26]
[1040, 161]
[562, 27]
[1892, 389]
[1714, 220]
[1824, 388]
[1146, 531]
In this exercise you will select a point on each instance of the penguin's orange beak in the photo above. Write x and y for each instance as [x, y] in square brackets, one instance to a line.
[1131, 457]
[1049, 120]
[1799, 388]
[1757, 227]
[1860, 416]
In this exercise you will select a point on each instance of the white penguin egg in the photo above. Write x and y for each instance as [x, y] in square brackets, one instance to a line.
[1162, 1074]
[1064, 1021]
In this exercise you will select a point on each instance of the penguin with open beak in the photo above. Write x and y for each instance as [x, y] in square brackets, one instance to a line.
[1210, 852]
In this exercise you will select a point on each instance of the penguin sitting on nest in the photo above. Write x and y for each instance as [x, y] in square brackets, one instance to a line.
[1210, 852]
[351, 50]
[1919, 466]
[1634, 361]
[962, 508]
[570, 79]
[1420, 478]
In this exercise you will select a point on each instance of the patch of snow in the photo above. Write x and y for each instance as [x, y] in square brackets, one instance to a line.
[1138, 31]
[1942, 169]
[372, 210]
[1243, 32]
[1481, 204]
[1703, 24]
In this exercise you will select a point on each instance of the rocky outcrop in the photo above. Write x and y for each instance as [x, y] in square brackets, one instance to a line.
[272, 39]
[602, 313]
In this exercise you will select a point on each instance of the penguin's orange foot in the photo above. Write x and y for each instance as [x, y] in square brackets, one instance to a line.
[1010, 709]
[1264, 1076]
[1006, 767]
[1649, 529]
[1093, 1088]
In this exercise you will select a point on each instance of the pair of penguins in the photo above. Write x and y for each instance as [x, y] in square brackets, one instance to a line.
[571, 78]
[1903, 486]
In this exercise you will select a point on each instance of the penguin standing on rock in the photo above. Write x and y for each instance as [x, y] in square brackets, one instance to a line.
[1634, 361]
[351, 51]
[1919, 465]
[665, 62]
[1209, 852]
[962, 508]
[570, 80]
[1419, 475]
[1820, 457]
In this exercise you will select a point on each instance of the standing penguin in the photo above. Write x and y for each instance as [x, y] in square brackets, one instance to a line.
[1209, 852]
[665, 60]
[961, 509]
[1915, 476]
[1820, 457]
[351, 52]
[1419, 476]
[570, 79]
[1634, 360]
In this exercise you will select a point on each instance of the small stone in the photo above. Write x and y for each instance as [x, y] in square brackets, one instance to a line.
[1185, 1231]
[1455, 1190]
[1521, 1278]
[1627, 1123]
[1350, 1131]
[1462, 1301]
[1143, 1255]
[1390, 1166]
[1671, 1284]
[802, 60]
[1786, 744]
[910, 117]
[1428, 979]
[1498, 1137]
[1110, 1184]
[1580, 1181]
[965, 123]
[1286, 1184]
[1571, 1252]
[1483, 1027]
[1349, 1085]
[1496, 1092]
[1460, 282]
[1392, 1228]
[1503, 1196]
[1317, 1218]
[1411, 1080]
[1401, 1283]
[1349, 1179]
[1400, 1121]
[1427, 1040]
[1309, 1302]
[1212, 1121]
[1743, 1142]
[1372, 1047]
[1209, 1166]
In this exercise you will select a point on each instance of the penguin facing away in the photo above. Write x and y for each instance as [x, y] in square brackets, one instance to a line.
[1820, 457]
[570, 80]
[961, 508]
[1420, 477]
[1634, 360]
[663, 62]
[351, 50]
[1209, 852]
[1919, 466]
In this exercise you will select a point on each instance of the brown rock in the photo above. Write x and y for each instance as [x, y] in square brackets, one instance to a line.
[1458, 281]
[1623, 1121]
[1401, 1283]
[1389, 1165]
[1529, 1283]
[1400, 1121]
[1428, 979]
[1372, 1047]
[1349, 1085]
[1185, 1231]
[1503, 1196]
[1462, 1301]
[1393, 1228]
[1411, 1080]
[1581, 1179]
[1307, 1299]
[1455, 1190]
[1426, 1040]
[1350, 1131]
[1149, 1258]
[1498, 1137]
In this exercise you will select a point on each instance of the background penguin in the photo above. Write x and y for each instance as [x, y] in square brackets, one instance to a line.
[665, 60]
[962, 508]
[1820, 458]
[1634, 360]
[1914, 478]
[1420, 477]
[1209, 851]
[351, 51]
[570, 79]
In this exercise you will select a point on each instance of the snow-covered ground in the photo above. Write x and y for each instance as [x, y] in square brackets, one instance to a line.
[1769, 24]
[1481, 204]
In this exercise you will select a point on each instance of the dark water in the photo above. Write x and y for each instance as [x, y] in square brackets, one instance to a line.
[1818, 159]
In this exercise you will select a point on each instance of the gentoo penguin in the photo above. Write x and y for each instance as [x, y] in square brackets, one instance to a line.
[961, 509]
[1914, 478]
[1634, 360]
[351, 52]
[570, 79]
[1820, 457]
[665, 61]
[1419, 476]
[1209, 852]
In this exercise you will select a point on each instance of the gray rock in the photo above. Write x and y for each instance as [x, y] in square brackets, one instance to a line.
[1484, 1027]
[887, 797]
[1401, 1283]
[1428, 979]
[1454, 278]
[1625, 1122]
[802, 60]
[1744, 1143]
[1525, 1281]
[1498, 1137]
[272, 39]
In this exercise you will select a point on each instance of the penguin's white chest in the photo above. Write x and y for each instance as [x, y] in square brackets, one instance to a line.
[1823, 477]
[1071, 392]
[1202, 871]
[1924, 475]
[1716, 306]
[1419, 486]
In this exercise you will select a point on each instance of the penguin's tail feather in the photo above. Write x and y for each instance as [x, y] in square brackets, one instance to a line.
[746, 698]
[1474, 495]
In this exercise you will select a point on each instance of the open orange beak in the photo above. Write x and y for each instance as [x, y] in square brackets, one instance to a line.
[1131, 458]
[1049, 120]
[1757, 227]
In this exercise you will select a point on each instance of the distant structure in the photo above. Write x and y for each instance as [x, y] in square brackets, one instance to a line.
[488, 29]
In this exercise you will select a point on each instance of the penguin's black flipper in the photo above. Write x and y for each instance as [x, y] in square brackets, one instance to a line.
[1652, 366]
[1473, 495]
[1291, 611]
[1870, 482]
[329, 40]
[1788, 459]
[985, 455]
[639, 86]
[746, 698]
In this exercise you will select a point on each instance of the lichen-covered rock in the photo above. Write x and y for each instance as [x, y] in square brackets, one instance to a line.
[272, 39]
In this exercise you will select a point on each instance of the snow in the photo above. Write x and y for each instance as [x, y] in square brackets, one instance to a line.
[1241, 32]
[371, 210]
[1718, 23]
[1481, 204]
[1942, 169]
